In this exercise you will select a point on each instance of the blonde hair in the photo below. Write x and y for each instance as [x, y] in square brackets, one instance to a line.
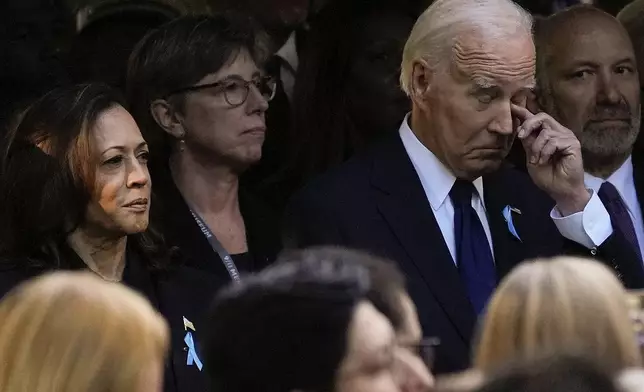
[439, 27]
[72, 331]
[563, 305]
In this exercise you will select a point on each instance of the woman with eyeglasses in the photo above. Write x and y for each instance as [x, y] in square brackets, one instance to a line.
[196, 87]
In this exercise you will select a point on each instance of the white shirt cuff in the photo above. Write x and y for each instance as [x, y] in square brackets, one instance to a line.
[590, 227]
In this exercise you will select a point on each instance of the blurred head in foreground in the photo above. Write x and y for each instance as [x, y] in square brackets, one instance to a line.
[326, 325]
[75, 332]
[558, 373]
[563, 305]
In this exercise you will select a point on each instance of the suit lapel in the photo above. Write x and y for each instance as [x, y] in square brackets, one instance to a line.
[184, 292]
[404, 205]
[507, 248]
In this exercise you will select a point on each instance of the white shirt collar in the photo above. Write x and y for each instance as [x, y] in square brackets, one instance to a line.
[436, 179]
[621, 179]
[288, 52]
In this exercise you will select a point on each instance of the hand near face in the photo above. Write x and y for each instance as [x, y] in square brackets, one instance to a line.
[554, 159]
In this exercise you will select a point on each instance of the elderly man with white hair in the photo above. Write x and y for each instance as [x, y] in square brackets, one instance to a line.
[435, 196]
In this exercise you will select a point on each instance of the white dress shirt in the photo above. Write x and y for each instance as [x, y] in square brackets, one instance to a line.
[288, 70]
[592, 226]
[437, 182]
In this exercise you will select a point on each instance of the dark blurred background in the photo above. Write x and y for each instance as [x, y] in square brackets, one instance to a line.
[44, 43]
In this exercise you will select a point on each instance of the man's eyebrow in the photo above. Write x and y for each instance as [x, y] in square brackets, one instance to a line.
[592, 64]
[582, 63]
[483, 83]
[627, 60]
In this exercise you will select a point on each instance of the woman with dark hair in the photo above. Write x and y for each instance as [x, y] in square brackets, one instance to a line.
[75, 194]
[196, 87]
[344, 338]
[387, 292]
[346, 93]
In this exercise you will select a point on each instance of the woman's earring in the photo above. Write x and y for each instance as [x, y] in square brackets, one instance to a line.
[182, 142]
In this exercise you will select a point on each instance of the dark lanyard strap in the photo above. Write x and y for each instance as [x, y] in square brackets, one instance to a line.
[218, 248]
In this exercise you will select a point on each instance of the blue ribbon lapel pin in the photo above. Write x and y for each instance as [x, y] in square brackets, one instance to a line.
[193, 358]
[507, 215]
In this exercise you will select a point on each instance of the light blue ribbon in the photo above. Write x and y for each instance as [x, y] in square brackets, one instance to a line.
[192, 352]
[507, 214]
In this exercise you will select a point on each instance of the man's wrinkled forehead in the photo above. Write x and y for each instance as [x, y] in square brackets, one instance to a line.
[487, 62]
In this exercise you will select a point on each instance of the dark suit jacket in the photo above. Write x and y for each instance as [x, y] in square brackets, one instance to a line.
[376, 202]
[176, 293]
[616, 251]
[172, 216]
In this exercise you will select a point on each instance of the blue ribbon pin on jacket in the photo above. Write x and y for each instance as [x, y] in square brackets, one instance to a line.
[507, 215]
[193, 358]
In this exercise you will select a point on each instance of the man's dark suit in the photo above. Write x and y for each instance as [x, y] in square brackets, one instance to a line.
[376, 202]
[616, 251]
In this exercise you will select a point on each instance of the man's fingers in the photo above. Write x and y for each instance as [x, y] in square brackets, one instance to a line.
[528, 141]
[520, 112]
[547, 151]
[535, 150]
[546, 146]
[541, 136]
[532, 103]
[532, 124]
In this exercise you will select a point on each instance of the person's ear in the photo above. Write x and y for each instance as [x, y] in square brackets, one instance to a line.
[167, 118]
[421, 82]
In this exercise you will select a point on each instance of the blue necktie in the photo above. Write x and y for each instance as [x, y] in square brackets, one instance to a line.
[473, 255]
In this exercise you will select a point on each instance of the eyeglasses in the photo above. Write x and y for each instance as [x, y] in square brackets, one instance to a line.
[235, 90]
